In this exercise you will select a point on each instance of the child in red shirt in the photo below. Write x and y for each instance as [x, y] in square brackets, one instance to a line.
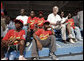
[74, 28]
[40, 19]
[71, 22]
[32, 23]
[14, 37]
[44, 37]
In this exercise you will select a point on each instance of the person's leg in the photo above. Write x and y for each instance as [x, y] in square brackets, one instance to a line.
[72, 36]
[78, 33]
[63, 32]
[28, 38]
[34, 49]
[81, 32]
[52, 47]
[70, 32]
[4, 48]
[68, 28]
[45, 43]
[52, 43]
[21, 49]
[25, 28]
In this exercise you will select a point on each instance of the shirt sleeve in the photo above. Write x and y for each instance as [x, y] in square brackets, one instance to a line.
[7, 36]
[50, 32]
[59, 18]
[48, 19]
[63, 20]
[37, 32]
[28, 21]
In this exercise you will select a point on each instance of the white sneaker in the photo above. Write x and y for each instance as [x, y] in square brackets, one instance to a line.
[70, 36]
[4, 59]
[81, 39]
[27, 44]
[22, 58]
[75, 40]
[53, 56]
[35, 58]
[72, 41]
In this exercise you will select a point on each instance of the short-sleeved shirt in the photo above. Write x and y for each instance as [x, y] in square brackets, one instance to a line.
[53, 19]
[32, 22]
[42, 34]
[71, 22]
[40, 21]
[23, 18]
[13, 33]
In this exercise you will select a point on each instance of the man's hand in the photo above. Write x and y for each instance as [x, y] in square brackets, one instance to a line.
[58, 23]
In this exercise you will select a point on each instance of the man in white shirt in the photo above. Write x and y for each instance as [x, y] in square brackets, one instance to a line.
[55, 21]
[80, 16]
[24, 18]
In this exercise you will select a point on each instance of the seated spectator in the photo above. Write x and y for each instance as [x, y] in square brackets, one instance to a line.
[3, 25]
[31, 22]
[74, 28]
[40, 19]
[24, 18]
[80, 17]
[76, 20]
[55, 21]
[44, 38]
[14, 37]
[63, 21]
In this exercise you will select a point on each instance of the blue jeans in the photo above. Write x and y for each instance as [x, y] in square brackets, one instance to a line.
[77, 31]
[25, 28]
[81, 32]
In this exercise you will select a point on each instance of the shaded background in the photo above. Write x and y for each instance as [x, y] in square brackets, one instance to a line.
[12, 8]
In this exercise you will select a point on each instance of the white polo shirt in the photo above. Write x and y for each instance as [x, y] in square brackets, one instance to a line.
[53, 19]
[23, 18]
[80, 16]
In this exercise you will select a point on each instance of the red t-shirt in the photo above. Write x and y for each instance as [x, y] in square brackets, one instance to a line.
[40, 21]
[42, 34]
[71, 22]
[32, 22]
[12, 33]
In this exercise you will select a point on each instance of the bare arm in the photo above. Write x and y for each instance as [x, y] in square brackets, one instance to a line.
[39, 45]
[52, 31]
